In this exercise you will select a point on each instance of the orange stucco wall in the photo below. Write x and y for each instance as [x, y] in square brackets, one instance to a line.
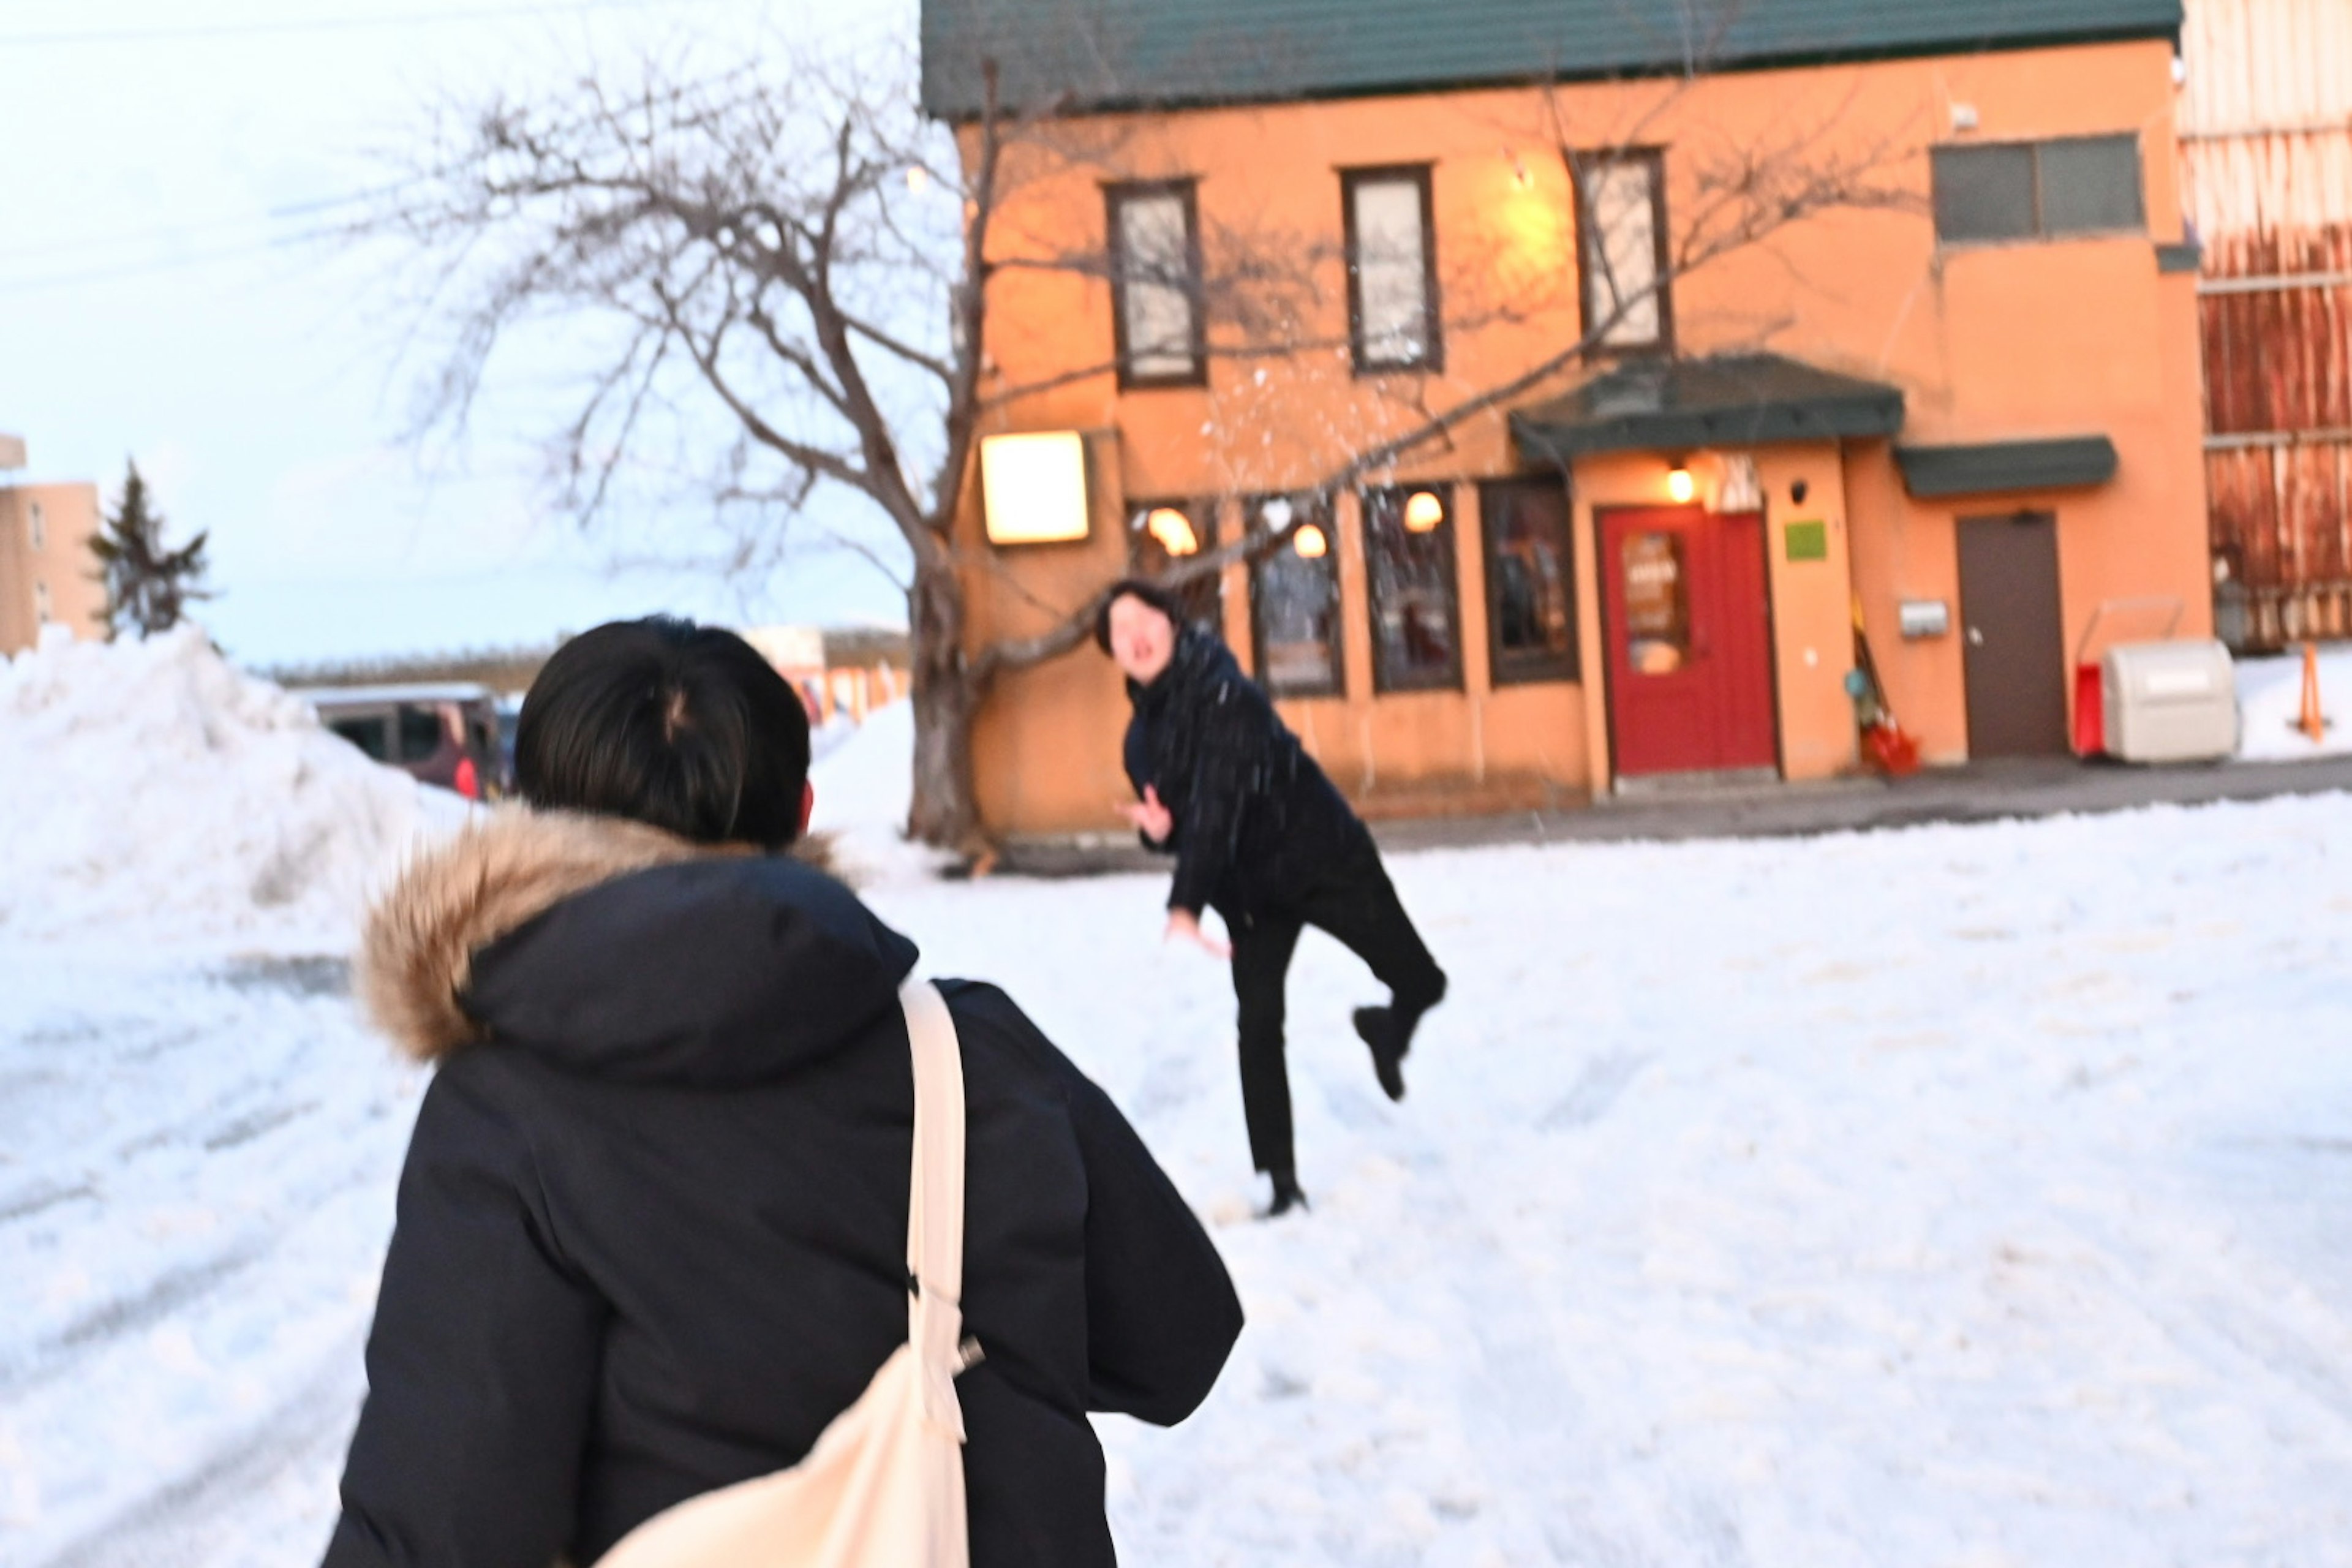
[1987, 343]
[63, 564]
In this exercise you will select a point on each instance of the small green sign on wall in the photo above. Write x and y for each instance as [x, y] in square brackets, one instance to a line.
[1808, 541]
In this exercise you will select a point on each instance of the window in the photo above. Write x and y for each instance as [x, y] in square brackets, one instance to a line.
[41, 602]
[1621, 249]
[1155, 266]
[1657, 603]
[1391, 268]
[1295, 600]
[1409, 561]
[1530, 581]
[36, 520]
[421, 730]
[2030, 190]
[372, 734]
[1162, 533]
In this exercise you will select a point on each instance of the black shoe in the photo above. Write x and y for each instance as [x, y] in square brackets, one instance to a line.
[1377, 1028]
[1288, 1196]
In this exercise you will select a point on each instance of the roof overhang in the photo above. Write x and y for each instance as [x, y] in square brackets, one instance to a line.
[1744, 400]
[1991, 467]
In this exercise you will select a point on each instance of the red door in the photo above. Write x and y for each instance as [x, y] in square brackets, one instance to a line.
[1690, 646]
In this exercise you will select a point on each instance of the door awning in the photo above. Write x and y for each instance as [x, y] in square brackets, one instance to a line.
[1989, 468]
[1738, 400]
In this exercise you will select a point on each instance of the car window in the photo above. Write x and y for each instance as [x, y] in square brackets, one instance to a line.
[372, 734]
[420, 734]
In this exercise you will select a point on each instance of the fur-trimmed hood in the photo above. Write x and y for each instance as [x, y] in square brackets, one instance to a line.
[617, 949]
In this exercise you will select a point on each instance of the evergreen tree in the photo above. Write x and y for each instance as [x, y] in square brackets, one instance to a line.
[148, 586]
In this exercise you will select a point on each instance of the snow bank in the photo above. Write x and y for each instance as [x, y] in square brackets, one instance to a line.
[151, 785]
[2270, 699]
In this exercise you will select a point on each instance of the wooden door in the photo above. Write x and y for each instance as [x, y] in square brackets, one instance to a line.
[2013, 638]
[1689, 635]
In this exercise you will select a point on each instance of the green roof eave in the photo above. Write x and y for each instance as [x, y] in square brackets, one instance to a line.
[1745, 400]
[1991, 468]
[1113, 56]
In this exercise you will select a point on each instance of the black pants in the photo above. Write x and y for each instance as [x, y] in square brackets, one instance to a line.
[1356, 903]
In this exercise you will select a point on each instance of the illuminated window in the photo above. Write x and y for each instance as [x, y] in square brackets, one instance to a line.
[1155, 267]
[1391, 268]
[1621, 249]
[1295, 600]
[1409, 565]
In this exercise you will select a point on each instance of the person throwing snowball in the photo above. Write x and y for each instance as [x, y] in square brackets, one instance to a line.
[1260, 836]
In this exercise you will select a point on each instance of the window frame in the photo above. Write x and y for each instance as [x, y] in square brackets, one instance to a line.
[1661, 245]
[1116, 195]
[1433, 351]
[2042, 233]
[1504, 667]
[1386, 681]
[1202, 514]
[1320, 511]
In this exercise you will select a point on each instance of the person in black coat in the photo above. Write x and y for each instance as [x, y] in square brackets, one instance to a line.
[1260, 836]
[651, 1234]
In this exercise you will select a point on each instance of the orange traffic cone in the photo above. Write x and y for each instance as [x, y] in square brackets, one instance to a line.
[2314, 723]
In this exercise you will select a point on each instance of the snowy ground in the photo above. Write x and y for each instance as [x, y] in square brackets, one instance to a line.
[1957, 1197]
[2270, 702]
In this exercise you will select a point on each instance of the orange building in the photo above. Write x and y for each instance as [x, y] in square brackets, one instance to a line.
[1885, 311]
[47, 571]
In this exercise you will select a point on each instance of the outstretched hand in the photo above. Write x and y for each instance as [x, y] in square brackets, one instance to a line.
[1149, 817]
[1185, 924]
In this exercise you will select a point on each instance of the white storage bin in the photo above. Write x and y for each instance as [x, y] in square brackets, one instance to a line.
[2170, 701]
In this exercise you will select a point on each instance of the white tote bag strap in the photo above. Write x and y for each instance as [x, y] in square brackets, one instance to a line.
[935, 1202]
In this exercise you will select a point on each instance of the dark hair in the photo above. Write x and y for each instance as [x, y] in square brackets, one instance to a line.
[667, 723]
[1151, 593]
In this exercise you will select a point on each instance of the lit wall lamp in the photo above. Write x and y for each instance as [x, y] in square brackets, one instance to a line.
[1680, 485]
[1174, 530]
[1034, 487]
[1423, 511]
[1310, 543]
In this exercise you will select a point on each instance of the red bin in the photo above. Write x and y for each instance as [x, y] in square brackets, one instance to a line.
[2090, 711]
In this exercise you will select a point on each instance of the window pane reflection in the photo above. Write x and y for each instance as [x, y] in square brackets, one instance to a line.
[1409, 558]
[1657, 606]
[1531, 580]
[1295, 603]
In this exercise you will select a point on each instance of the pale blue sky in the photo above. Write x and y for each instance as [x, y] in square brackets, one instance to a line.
[164, 159]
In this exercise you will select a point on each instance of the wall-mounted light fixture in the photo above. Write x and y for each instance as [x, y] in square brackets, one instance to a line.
[1034, 487]
[1423, 511]
[1680, 485]
[1310, 543]
[1174, 530]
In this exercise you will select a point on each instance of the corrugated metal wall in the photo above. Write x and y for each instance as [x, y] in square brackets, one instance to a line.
[2267, 151]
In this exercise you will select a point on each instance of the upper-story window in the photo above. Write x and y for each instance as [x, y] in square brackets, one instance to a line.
[1155, 280]
[41, 602]
[1391, 268]
[1621, 249]
[2038, 190]
[36, 524]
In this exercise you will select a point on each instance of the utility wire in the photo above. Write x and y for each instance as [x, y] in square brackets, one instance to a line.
[203, 30]
[156, 232]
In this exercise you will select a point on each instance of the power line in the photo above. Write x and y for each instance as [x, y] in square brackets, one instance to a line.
[200, 31]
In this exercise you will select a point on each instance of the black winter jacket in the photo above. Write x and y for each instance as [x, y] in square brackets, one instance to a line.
[1255, 818]
[651, 1233]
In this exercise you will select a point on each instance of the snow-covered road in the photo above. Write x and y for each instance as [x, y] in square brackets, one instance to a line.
[1953, 1197]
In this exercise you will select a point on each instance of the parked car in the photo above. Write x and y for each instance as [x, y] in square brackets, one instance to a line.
[445, 734]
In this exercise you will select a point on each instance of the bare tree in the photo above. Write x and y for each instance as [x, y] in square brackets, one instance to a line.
[769, 246]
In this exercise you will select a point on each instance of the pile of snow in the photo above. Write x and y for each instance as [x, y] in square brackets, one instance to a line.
[2270, 702]
[151, 784]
